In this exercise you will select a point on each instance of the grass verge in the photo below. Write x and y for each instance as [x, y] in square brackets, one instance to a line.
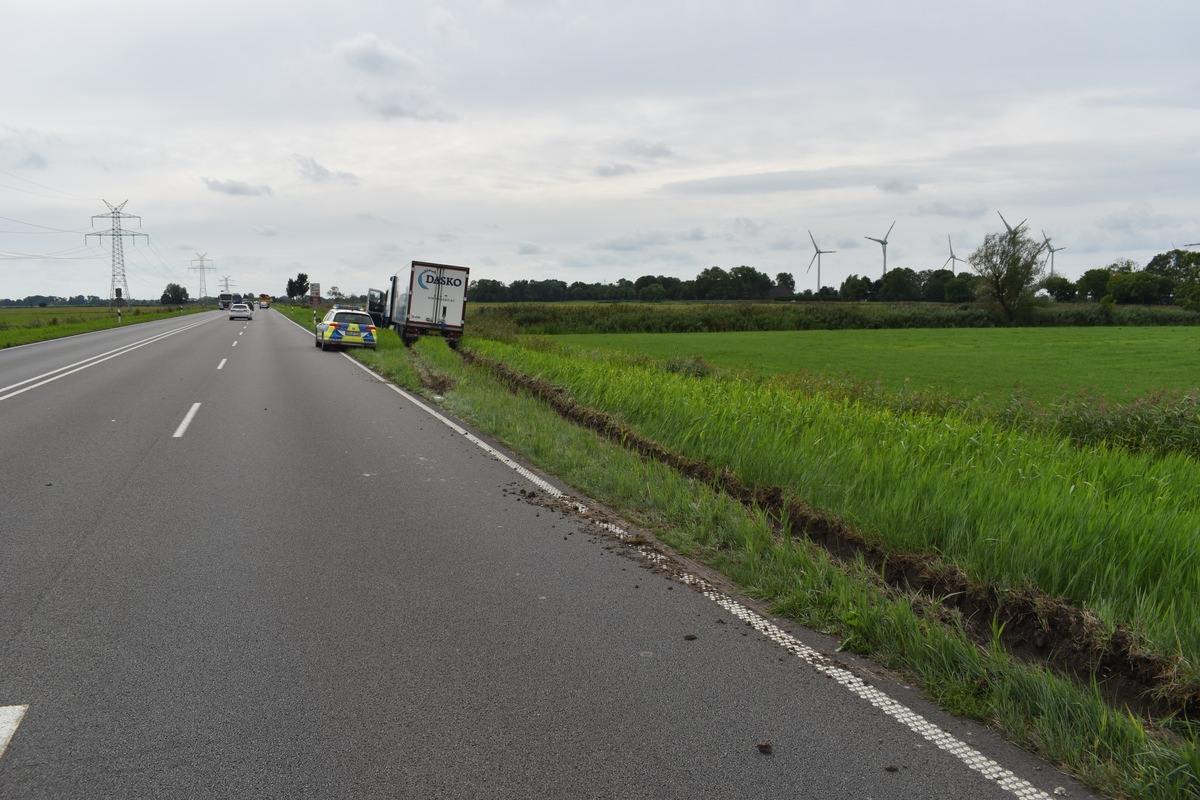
[1066, 723]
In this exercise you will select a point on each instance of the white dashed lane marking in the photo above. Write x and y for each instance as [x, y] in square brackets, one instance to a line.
[187, 420]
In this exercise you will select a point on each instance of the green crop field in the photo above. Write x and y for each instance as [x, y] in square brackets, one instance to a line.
[1038, 363]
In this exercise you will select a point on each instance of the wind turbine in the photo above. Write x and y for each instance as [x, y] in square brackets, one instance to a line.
[1011, 229]
[817, 258]
[953, 258]
[883, 242]
[1051, 250]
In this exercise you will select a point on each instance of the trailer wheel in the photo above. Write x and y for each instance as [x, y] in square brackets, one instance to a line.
[453, 343]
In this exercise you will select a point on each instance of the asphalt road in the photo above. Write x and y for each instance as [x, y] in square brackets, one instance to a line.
[232, 565]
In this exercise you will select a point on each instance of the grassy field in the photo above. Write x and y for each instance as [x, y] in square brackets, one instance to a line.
[1038, 363]
[27, 325]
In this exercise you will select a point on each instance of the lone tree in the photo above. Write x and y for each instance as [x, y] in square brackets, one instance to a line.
[1009, 267]
[297, 287]
[174, 295]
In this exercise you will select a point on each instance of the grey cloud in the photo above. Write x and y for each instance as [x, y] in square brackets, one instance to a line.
[743, 227]
[942, 210]
[634, 242]
[768, 182]
[651, 150]
[1137, 217]
[240, 188]
[896, 186]
[265, 230]
[367, 53]
[444, 24]
[400, 106]
[317, 173]
[526, 249]
[614, 170]
[388, 250]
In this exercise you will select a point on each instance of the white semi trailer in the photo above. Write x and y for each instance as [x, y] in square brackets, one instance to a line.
[430, 299]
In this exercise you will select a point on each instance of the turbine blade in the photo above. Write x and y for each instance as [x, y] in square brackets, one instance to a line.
[814, 241]
[1002, 219]
[810, 263]
[889, 233]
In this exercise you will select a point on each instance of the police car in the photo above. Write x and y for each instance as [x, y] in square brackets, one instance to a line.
[346, 327]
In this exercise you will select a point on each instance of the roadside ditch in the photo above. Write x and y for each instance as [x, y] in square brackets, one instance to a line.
[1033, 626]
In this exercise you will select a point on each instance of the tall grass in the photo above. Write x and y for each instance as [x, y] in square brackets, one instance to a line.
[1114, 531]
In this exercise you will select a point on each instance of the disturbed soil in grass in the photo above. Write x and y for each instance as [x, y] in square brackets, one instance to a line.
[1036, 626]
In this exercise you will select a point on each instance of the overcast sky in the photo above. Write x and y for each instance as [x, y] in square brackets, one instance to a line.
[585, 141]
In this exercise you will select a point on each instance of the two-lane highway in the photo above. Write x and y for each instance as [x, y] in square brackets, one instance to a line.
[235, 566]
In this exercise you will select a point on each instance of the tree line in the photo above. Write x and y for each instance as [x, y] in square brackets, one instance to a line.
[1008, 269]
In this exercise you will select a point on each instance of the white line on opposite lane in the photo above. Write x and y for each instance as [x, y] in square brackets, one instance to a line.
[187, 420]
[79, 366]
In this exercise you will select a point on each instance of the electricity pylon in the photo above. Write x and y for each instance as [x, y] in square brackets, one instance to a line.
[202, 258]
[119, 288]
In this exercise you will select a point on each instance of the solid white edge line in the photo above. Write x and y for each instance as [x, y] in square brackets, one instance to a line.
[10, 718]
[187, 420]
[964, 752]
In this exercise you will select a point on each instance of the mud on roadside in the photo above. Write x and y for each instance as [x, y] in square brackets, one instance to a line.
[1034, 626]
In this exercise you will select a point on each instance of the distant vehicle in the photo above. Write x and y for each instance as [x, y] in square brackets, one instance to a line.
[264, 300]
[224, 300]
[430, 299]
[241, 311]
[346, 327]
